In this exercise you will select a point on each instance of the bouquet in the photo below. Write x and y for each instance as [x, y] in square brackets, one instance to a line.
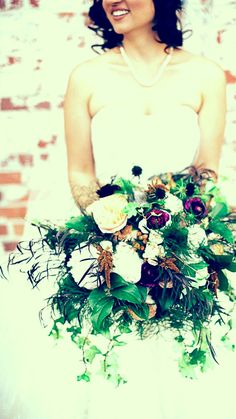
[144, 257]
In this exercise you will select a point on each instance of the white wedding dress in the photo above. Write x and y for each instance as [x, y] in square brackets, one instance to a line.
[38, 375]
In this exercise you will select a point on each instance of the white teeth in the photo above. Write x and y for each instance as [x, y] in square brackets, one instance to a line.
[120, 12]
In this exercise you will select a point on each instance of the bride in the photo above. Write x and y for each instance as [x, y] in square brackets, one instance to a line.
[144, 101]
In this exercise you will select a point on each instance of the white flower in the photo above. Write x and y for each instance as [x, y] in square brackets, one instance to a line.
[106, 245]
[201, 275]
[108, 213]
[173, 203]
[83, 260]
[127, 263]
[196, 236]
[214, 236]
[152, 251]
[155, 237]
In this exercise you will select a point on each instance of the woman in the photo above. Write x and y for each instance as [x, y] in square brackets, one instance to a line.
[108, 91]
[120, 110]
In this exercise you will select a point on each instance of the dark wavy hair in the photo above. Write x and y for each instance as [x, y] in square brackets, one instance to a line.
[166, 24]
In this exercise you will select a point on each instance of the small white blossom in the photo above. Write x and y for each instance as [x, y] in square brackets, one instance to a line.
[152, 252]
[106, 245]
[173, 203]
[155, 237]
[214, 236]
[83, 260]
[196, 236]
[127, 263]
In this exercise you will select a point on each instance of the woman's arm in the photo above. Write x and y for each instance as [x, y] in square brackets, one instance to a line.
[211, 117]
[81, 168]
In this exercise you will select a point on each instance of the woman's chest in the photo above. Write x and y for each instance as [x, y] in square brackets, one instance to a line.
[112, 87]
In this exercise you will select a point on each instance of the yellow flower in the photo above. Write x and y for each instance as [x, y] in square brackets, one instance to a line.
[108, 213]
[217, 248]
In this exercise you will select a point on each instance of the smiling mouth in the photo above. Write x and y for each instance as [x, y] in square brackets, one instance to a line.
[117, 14]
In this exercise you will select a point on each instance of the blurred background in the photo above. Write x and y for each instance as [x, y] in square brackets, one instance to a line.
[41, 42]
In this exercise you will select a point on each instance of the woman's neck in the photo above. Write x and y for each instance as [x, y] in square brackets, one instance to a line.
[143, 48]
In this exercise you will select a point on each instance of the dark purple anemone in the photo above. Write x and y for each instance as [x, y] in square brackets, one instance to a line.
[149, 275]
[157, 218]
[196, 206]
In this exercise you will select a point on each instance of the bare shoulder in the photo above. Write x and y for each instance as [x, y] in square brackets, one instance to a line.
[204, 68]
[89, 67]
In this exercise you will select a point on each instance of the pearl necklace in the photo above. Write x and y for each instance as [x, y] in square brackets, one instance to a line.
[159, 72]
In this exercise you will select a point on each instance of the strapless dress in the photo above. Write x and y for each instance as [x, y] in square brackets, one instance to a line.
[38, 375]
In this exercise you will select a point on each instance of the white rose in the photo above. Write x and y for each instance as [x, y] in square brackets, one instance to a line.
[83, 260]
[127, 263]
[196, 236]
[152, 251]
[173, 203]
[155, 237]
[108, 213]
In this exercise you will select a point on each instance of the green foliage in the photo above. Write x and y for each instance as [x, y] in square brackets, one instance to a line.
[100, 311]
[86, 376]
[223, 281]
[175, 237]
[219, 227]
[127, 187]
[220, 210]
[190, 269]
[131, 209]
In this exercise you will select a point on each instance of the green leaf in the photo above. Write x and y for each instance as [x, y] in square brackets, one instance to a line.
[223, 261]
[95, 296]
[223, 281]
[90, 353]
[126, 186]
[221, 229]
[101, 311]
[143, 292]
[131, 209]
[128, 293]
[84, 377]
[117, 281]
[232, 267]
[141, 311]
[80, 223]
[220, 210]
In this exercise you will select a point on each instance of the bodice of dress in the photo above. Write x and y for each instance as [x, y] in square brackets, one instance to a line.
[161, 142]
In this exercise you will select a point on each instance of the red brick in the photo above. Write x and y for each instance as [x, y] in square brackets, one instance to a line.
[10, 177]
[13, 60]
[3, 230]
[25, 159]
[35, 3]
[18, 212]
[16, 3]
[18, 229]
[43, 105]
[67, 15]
[231, 78]
[2, 4]
[8, 105]
[9, 246]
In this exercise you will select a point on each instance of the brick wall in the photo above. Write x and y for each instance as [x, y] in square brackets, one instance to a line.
[42, 40]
